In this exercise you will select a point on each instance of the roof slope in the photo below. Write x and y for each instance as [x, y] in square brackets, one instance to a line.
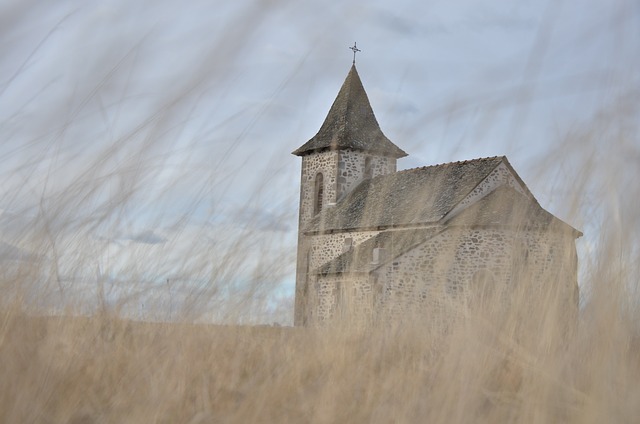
[505, 206]
[415, 196]
[351, 123]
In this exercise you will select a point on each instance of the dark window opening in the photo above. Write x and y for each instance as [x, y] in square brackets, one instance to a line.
[348, 244]
[368, 170]
[319, 191]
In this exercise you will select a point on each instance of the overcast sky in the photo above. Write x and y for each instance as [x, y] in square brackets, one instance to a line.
[157, 111]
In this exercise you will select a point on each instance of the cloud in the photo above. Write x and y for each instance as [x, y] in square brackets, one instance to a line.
[147, 237]
[446, 21]
[404, 107]
[483, 18]
[262, 220]
[396, 23]
[9, 252]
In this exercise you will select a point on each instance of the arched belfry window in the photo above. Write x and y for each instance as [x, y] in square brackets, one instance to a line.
[319, 192]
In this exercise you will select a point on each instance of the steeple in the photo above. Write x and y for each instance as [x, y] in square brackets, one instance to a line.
[351, 123]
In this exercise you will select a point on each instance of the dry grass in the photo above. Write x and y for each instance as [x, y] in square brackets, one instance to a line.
[88, 361]
[103, 369]
[505, 368]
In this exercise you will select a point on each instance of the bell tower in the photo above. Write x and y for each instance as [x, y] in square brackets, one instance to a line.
[349, 148]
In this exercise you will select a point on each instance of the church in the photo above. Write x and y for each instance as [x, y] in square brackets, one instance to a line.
[376, 244]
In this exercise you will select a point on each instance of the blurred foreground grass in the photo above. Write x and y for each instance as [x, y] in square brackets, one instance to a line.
[152, 201]
[104, 369]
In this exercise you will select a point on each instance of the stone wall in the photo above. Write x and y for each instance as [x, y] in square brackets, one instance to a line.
[324, 163]
[342, 171]
[326, 247]
[456, 267]
[351, 169]
[347, 297]
[450, 266]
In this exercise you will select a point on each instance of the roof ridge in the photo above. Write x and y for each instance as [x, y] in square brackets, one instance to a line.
[348, 87]
[449, 164]
[369, 203]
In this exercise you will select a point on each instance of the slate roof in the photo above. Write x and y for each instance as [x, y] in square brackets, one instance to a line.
[507, 207]
[415, 196]
[358, 259]
[351, 123]
[503, 207]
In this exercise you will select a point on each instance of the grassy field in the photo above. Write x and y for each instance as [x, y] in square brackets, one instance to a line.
[521, 365]
[137, 207]
[483, 369]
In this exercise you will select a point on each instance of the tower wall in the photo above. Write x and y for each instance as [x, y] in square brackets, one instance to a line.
[352, 168]
[326, 247]
[325, 163]
[342, 171]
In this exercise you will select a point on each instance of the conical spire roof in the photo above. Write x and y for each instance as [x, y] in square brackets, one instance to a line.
[351, 123]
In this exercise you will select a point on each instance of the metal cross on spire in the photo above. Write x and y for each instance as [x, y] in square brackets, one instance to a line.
[355, 50]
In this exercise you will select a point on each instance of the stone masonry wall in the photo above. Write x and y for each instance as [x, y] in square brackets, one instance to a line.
[325, 163]
[342, 171]
[351, 167]
[347, 297]
[436, 277]
[326, 247]
[444, 269]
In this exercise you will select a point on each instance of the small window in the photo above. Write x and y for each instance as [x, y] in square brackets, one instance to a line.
[308, 264]
[368, 170]
[319, 193]
[348, 244]
[522, 251]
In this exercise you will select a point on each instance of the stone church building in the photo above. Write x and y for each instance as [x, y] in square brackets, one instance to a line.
[376, 243]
